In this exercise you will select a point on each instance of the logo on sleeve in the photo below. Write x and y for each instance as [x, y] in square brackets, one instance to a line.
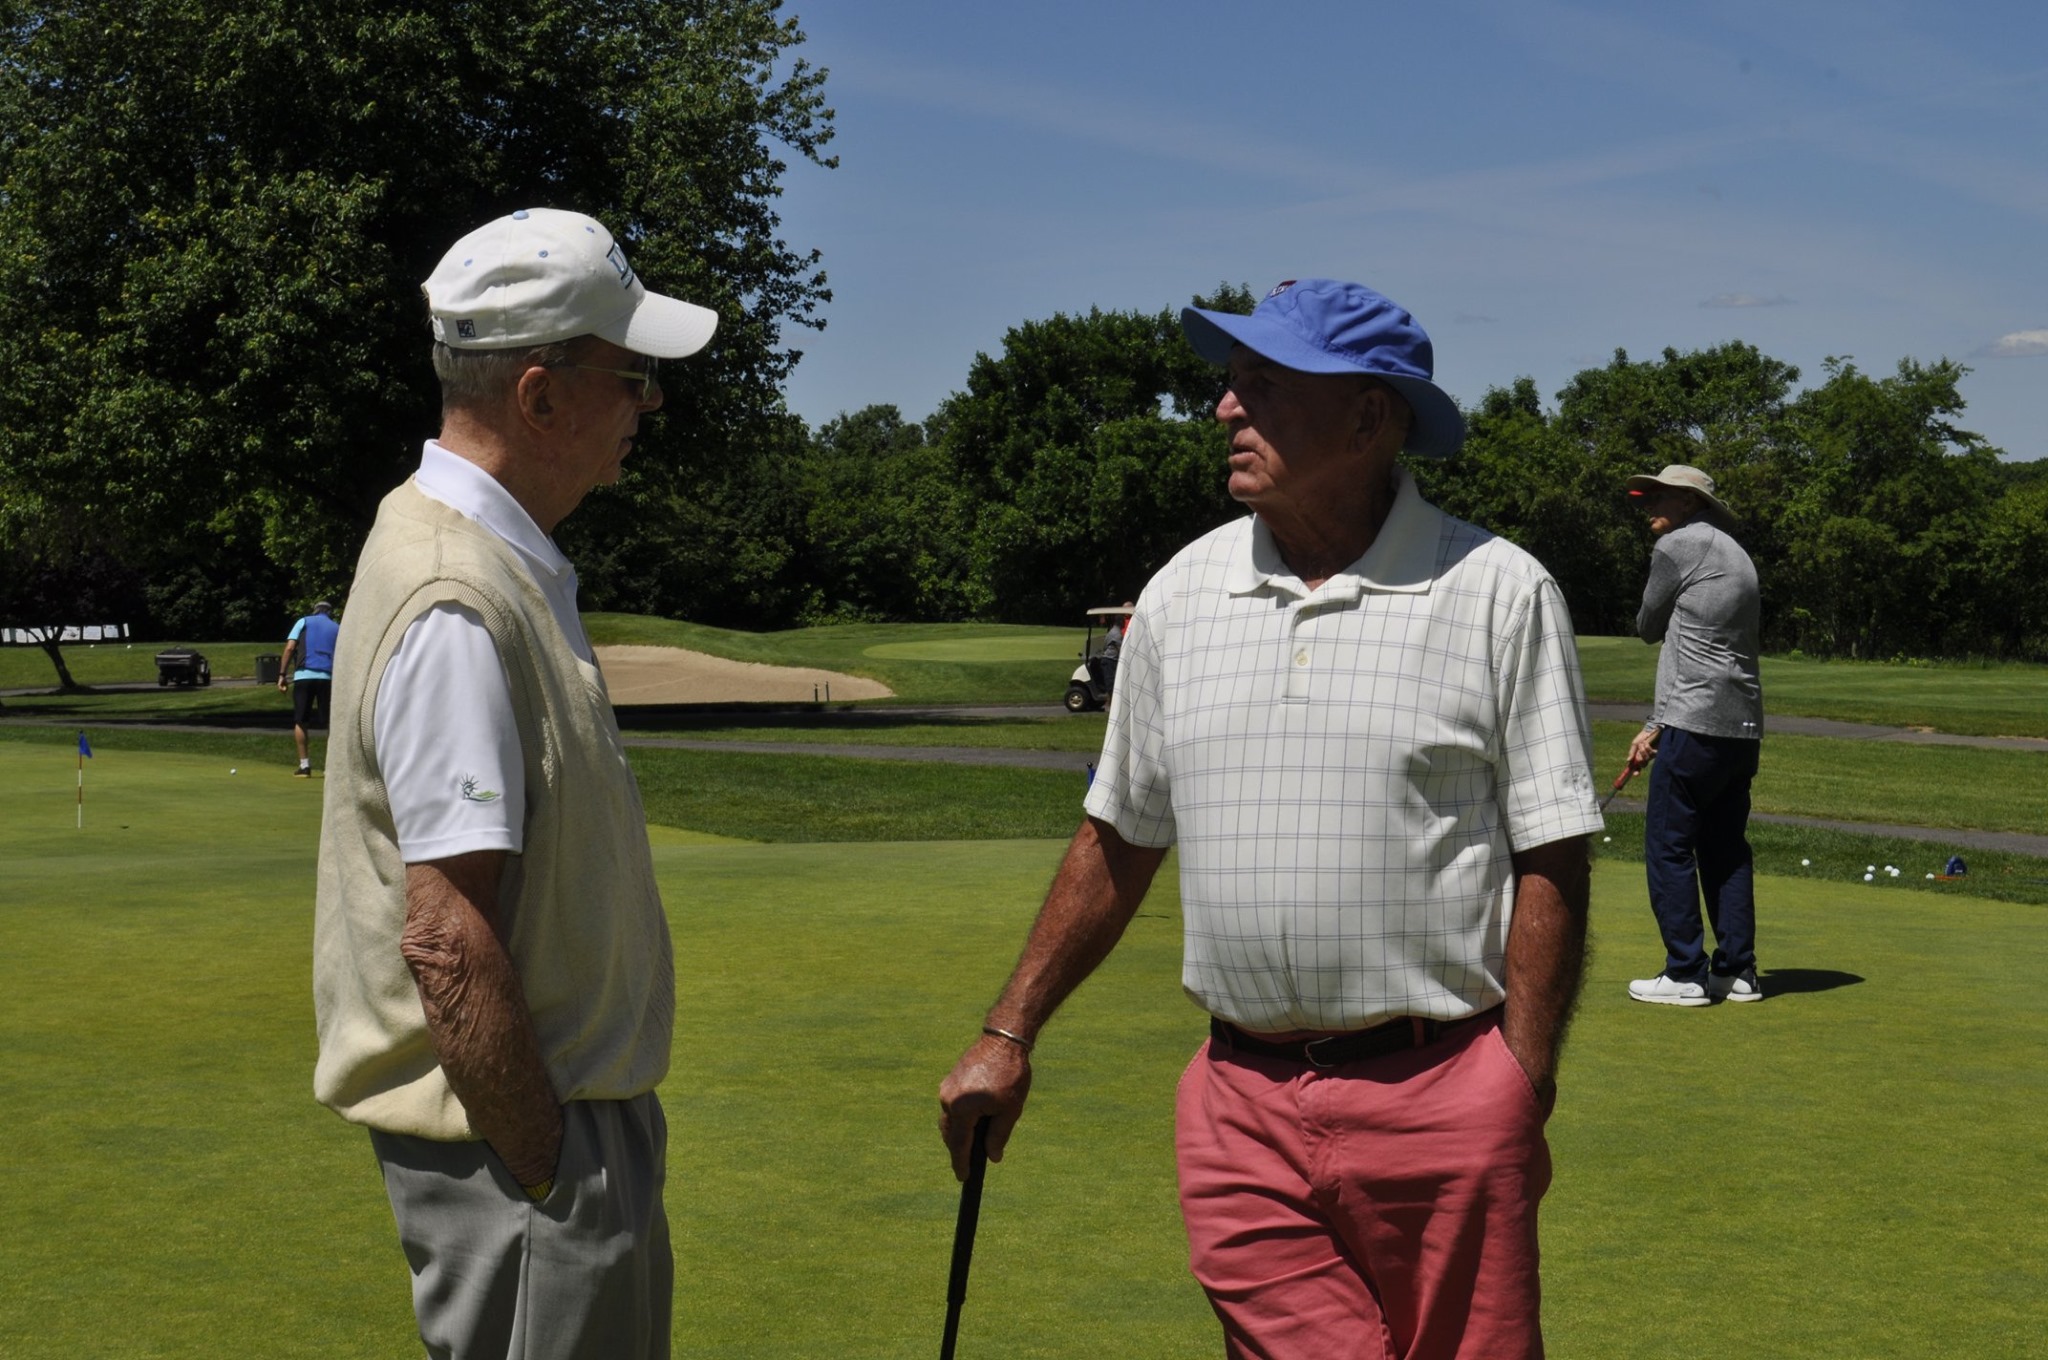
[472, 794]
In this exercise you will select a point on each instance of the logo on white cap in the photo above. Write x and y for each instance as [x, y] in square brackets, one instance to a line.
[543, 275]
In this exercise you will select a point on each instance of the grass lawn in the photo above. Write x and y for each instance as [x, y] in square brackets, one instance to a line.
[117, 663]
[1843, 1158]
[1989, 699]
[1873, 781]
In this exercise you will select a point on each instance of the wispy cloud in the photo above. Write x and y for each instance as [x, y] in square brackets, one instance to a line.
[2016, 345]
[1747, 300]
[1168, 134]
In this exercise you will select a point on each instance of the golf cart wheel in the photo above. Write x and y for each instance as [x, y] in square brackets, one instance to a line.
[1077, 699]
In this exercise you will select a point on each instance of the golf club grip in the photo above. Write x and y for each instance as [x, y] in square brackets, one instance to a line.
[963, 1235]
[970, 1213]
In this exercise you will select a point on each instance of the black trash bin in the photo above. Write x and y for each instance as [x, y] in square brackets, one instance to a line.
[267, 666]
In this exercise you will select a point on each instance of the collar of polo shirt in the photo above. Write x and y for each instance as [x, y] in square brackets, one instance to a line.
[1402, 560]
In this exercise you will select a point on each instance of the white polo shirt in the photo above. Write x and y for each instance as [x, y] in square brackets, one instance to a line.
[447, 743]
[1348, 770]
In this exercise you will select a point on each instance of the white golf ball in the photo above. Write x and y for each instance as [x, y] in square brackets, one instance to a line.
[234, 771]
[1806, 864]
[1870, 868]
[1606, 840]
[1869, 877]
[1930, 875]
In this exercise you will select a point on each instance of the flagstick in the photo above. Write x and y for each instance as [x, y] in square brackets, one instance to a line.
[81, 788]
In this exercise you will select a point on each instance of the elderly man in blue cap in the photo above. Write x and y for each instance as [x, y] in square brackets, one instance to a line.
[1361, 722]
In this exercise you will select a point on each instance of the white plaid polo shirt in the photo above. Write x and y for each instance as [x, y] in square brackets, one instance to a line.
[1347, 770]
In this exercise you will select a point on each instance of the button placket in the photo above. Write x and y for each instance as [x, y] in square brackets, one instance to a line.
[1300, 655]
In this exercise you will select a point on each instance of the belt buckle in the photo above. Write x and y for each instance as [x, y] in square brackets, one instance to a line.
[1308, 1051]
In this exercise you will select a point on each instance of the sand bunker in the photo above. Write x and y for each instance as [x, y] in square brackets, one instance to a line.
[672, 675]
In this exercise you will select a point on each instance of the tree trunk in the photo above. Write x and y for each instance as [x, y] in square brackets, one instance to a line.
[54, 649]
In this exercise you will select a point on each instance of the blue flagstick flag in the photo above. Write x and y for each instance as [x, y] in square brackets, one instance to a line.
[84, 747]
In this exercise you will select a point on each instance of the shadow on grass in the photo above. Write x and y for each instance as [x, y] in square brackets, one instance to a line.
[1790, 981]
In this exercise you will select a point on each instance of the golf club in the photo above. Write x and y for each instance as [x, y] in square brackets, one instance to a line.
[1628, 772]
[963, 1235]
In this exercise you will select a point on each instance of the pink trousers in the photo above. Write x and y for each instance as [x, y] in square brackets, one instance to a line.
[1382, 1209]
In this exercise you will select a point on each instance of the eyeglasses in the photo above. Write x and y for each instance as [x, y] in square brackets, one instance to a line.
[646, 375]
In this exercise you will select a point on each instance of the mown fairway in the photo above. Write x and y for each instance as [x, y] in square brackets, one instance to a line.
[1849, 1159]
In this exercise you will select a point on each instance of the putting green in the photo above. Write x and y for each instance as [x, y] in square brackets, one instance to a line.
[1846, 1153]
[1050, 646]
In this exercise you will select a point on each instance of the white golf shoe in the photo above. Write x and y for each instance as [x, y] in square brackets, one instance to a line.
[1663, 991]
[1737, 987]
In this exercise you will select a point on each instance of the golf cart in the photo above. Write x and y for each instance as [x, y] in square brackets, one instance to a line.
[1095, 677]
[182, 666]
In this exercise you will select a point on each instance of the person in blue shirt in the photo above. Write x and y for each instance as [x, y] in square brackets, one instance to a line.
[311, 644]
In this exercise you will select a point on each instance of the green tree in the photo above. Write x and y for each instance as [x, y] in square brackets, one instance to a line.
[885, 523]
[215, 215]
[1521, 476]
[1879, 530]
[1090, 450]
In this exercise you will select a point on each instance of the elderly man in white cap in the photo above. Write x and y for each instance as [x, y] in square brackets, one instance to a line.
[1705, 732]
[492, 977]
[1361, 722]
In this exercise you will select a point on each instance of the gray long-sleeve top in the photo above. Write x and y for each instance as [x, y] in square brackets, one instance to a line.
[1701, 603]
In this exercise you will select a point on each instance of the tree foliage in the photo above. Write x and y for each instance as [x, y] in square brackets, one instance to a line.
[215, 216]
[1879, 526]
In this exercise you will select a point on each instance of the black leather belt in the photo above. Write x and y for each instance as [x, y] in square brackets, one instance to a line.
[1334, 1050]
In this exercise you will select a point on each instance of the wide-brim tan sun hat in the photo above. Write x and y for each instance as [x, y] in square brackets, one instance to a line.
[1684, 477]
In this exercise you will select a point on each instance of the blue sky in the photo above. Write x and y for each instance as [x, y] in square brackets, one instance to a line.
[1539, 182]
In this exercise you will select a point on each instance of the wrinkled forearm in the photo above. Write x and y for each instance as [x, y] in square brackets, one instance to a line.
[476, 1013]
[1099, 887]
[1546, 953]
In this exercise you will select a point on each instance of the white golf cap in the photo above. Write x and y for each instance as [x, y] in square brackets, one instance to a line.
[543, 275]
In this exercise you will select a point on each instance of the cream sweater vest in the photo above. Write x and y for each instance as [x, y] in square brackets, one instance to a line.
[579, 912]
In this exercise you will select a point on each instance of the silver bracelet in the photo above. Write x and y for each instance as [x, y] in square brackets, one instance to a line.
[1017, 1039]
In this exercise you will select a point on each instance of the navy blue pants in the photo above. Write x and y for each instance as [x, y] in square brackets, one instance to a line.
[1694, 844]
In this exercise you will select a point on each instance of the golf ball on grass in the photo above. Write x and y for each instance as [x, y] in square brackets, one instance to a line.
[1869, 877]
[233, 771]
[1806, 864]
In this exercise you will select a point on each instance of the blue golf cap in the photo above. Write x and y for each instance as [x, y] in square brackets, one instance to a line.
[1328, 326]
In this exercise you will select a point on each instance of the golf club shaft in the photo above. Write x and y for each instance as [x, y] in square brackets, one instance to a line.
[963, 1235]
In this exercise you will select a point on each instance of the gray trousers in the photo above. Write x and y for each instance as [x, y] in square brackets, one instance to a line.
[586, 1273]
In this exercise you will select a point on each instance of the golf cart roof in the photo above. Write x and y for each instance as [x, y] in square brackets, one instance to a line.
[1111, 609]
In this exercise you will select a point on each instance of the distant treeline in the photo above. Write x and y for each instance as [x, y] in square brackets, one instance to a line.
[1080, 457]
[1084, 454]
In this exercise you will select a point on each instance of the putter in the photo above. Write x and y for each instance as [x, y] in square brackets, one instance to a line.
[963, 1235]
[1628, 772]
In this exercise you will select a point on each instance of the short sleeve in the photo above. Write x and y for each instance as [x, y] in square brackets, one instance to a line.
[1130, 790]
[1545, 777]
[297, 629]
[447, 741]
